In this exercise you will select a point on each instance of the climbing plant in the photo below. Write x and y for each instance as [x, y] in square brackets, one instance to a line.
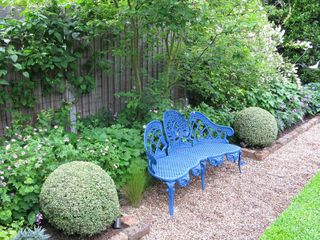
[43, 48]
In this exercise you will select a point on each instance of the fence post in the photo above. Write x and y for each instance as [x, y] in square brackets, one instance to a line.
[73, 111]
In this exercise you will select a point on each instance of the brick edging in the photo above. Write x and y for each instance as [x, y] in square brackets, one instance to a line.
[133, 230]
[258, 154]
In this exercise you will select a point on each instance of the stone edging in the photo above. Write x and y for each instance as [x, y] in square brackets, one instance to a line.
[133, 229]
[262, 154]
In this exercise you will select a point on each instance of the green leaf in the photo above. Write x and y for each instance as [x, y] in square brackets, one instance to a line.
[26, 74]
[75, 35]
[3, 82]
[3, 72]
[5, 215]
[18, 66]
[14, 58]
[31, 217]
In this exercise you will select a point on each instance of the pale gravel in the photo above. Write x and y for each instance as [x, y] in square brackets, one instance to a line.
[234, 206]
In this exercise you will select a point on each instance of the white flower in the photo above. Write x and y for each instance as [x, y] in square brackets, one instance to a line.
[55, 126]
[144, 126]
[15, 156]
[23, 153]
[13, 140]
[8, 147]
[66, 139]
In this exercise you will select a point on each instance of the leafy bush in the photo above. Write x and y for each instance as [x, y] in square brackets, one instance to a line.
[137, 183]
[217, 115]
[38, 233]
[103, 118]
[113, 148]
[241, 54]
[289, 102]
[256, 127]
[49, 57]
[79, 198]
[29, 155]
[300, 19]
[312, 91]
[9, 231]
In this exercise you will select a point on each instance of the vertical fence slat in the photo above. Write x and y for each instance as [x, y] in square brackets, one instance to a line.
[118, 78]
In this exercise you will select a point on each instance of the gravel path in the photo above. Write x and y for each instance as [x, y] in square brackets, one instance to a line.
[234, 206]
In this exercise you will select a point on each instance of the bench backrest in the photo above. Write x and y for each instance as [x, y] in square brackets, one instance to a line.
[203, 130]
[176, 129]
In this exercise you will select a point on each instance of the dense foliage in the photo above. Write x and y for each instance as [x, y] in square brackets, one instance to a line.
[225, 55]
[29, 155]
[79, 198]
[256, 127]
[301, 20]
[43, 48]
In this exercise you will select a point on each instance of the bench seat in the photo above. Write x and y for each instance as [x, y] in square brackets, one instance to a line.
[173, 167]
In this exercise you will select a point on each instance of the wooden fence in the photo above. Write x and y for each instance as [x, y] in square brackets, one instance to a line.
[117, 79]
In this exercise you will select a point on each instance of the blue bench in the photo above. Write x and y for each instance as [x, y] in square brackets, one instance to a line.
[177, 146]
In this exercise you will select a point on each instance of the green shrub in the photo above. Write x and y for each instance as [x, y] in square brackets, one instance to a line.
[300, 20]
[289, 103]
[79, 198]
[113, 149]
[28, 155]
[256, 127]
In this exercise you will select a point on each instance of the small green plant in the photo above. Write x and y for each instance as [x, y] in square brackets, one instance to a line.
[137, 183]
[256, 127]
[38, 233]
[80, 198]
[103, 118]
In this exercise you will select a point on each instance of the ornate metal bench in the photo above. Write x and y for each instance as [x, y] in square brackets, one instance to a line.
[176, 147]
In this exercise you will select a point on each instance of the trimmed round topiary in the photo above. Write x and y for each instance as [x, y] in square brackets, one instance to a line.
[256, 127]
[80, 198]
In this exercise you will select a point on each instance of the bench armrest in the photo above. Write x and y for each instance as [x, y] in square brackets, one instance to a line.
[151, 162]
[203, 129]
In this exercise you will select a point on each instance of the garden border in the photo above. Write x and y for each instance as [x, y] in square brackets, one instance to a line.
[133, 230]
[261, 154]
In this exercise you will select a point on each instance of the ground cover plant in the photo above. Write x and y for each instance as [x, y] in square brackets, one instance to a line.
[301, 219]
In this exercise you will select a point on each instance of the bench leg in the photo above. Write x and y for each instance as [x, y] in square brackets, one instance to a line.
[171, 191]
[203, 173]
[239, 161]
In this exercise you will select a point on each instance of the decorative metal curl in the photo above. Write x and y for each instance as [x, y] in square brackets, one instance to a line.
[184, 181]
[216, 161]
[196, 171]
[232, 157]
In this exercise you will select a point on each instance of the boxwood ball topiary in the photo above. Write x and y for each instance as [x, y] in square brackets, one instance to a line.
[80, 198]
[256, 127]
